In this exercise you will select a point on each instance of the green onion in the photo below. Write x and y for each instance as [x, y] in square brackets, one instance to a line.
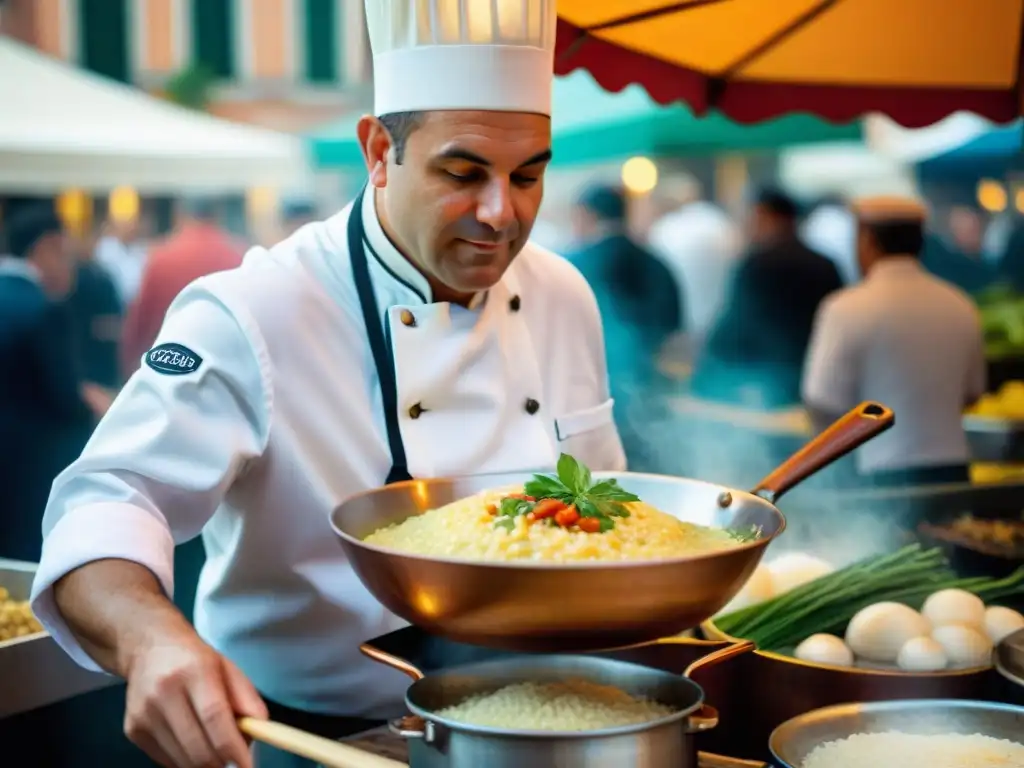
[828, 604]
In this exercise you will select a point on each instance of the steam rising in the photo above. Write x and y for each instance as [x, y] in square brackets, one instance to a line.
[667, 432]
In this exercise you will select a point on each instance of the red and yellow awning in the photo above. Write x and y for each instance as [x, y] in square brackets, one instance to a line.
[914, 60]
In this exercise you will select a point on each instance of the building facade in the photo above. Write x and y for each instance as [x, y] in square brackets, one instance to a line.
[284, 64]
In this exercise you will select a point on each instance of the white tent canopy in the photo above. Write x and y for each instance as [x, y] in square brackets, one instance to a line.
[61, 127]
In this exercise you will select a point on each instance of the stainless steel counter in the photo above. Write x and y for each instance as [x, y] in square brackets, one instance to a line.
[34, 671]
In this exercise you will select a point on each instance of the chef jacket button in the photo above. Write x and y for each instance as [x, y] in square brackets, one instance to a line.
[514, 303]
[408, 318]
[416, 411]
[531, 406]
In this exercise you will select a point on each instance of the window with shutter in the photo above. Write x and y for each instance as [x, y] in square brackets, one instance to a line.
[321, 22]
[213, 36]
[103, 37]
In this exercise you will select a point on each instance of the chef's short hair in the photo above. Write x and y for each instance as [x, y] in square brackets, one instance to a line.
[27, 225]
[777, 202]
[897, 237]
[400, 126]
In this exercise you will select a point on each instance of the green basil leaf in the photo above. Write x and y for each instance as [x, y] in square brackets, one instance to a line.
[610, 489]
[606, 523]
[568, 471]
[508, 523]
[545, 487]
[586, 507]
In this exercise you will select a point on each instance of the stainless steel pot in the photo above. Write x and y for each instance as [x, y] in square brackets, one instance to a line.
[438, 742]
[795, 739]
[522, 606]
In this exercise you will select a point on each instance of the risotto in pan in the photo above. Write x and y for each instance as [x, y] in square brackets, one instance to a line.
[568, 518]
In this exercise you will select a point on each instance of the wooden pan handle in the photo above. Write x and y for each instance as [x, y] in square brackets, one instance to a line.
[864, 422]
[316, 748]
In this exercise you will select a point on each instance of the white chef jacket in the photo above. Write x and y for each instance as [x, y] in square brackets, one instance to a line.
[277, 418]
[911, 341]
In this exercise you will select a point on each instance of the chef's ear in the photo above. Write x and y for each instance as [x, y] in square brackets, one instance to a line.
[375, 142]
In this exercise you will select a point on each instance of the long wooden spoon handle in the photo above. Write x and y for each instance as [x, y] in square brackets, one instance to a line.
[316, 748]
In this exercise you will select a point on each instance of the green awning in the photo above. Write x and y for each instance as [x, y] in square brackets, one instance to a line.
[591, 125]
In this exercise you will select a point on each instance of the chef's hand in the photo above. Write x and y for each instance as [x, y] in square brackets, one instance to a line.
[183, 702]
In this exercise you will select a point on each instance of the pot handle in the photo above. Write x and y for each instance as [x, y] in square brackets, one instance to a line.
[412, 727]
[864, 422]
[709, 760]
[395, 662]
[712, 659]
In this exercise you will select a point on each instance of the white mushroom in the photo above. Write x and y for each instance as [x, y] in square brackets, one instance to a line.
[922, 654]
[1002, 622]
[964, 646]
[954, 606]
[825, 649]
[878, 632]
[795, 569]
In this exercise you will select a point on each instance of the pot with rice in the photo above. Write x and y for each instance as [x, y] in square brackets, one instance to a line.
[557, 711]
[908, 734]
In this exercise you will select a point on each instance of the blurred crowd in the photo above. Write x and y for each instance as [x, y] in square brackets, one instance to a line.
[77, 314]
[782, 305]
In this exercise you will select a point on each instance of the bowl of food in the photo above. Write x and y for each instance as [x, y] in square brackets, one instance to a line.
[573, 560]
[936, 734]
[563, 711]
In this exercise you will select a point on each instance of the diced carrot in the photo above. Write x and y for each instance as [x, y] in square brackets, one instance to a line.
[548, 508]
[589, 524]
[492, 509]
[566, 517]
[530, 518]
[521, 496]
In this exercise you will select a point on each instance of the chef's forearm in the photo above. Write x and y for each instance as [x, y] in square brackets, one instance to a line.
[114, 608]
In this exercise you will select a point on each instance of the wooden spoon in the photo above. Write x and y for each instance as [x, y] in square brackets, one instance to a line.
[316, 748]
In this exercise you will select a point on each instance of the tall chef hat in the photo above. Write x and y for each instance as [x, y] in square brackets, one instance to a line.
[462, 54]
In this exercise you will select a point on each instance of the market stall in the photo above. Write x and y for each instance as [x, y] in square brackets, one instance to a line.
[590, 125]
[67, 128]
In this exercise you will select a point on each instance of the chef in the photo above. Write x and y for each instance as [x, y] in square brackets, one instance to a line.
[414, 334]
[903, 337]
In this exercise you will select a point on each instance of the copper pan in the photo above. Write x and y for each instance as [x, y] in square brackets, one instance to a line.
[581, 606]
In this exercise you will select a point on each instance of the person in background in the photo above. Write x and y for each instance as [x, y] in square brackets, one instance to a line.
[97, 313]
[44, 403]
[831, 230]
[902, 337]
[755, 352]
[959, 258]
[197, 248]
[700, 244]
[296, 213]
[121, 252]
[640, 308]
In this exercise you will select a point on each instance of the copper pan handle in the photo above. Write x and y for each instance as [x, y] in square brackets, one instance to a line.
[867, 420]
[709, 760]
[395, 662]
[744, 646]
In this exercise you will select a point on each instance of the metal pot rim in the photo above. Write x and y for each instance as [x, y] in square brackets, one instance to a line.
[454, 725]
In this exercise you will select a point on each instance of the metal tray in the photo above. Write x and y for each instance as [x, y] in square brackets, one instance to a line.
[34, 670]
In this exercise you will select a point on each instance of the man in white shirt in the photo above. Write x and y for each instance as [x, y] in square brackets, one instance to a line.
[123, 255]
[902, 337]
[414, 334]
[701, 246]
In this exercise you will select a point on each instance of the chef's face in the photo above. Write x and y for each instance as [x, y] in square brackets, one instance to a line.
[463, 200]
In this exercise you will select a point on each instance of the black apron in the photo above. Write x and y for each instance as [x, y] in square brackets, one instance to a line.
[383, 359]
[330, 726]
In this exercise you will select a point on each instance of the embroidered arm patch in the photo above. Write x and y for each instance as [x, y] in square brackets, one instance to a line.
[173, 360]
